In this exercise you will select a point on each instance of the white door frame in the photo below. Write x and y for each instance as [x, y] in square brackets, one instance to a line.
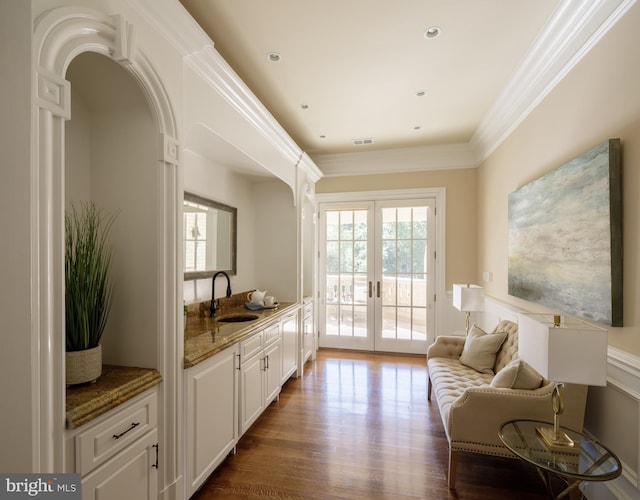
[439, 197]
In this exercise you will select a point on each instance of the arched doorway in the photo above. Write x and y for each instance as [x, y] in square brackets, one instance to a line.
[62, 37]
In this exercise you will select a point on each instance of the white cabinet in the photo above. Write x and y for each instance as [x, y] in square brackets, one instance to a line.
[211, 418]
[260, 373]
[132, 474]
[117, 454]
[251, 391]
[289, 327]
[272, 359]
[308, 336]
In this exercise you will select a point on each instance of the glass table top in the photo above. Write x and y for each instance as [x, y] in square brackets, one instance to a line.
[588, 460]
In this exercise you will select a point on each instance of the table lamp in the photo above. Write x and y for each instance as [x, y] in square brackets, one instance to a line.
[563, 350]
[468, 298]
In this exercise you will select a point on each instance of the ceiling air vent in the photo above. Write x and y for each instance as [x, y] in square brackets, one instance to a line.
[362, 142]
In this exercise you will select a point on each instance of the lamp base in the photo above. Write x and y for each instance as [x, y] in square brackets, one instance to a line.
[556, 440]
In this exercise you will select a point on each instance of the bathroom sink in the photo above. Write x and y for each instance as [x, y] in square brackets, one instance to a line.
[238, 318]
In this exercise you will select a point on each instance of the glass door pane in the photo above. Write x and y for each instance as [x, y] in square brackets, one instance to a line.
[403, 273]
[346, 281]
[377, 286]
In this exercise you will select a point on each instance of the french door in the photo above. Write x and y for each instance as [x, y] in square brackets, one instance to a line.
[377, 279]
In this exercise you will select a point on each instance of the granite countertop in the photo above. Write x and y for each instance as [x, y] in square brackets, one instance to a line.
[204, 337]
[116, 385]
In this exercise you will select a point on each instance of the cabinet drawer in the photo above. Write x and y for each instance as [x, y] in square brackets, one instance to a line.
[102, 441]
[271, 333]
[251, 346]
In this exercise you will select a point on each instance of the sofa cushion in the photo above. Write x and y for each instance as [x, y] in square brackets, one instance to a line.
[480, 349]
[509, 350]
[517, 375]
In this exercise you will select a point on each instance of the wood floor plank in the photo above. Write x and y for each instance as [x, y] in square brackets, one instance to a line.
[358, 425]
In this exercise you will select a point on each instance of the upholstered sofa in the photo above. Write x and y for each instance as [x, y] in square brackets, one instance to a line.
[474, 401]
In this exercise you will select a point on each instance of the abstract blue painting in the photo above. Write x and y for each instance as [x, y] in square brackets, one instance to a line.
[565, 237]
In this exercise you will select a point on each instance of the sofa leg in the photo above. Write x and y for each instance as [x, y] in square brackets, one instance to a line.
[453, 462]
[428, 388]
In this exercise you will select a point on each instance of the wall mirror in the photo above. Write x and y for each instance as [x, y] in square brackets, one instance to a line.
[209, 237]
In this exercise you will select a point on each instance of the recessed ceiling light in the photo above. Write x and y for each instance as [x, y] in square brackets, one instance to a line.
[417, 127]
[304, 106]
[421, 93]
[273, 56]
[323, 137]
[432, 32]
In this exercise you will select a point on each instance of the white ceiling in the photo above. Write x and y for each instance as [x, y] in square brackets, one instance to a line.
[358, 65]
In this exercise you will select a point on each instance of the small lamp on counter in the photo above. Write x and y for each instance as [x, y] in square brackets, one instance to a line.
[468, 298]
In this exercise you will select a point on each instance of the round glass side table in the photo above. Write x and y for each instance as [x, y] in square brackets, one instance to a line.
[587, 460]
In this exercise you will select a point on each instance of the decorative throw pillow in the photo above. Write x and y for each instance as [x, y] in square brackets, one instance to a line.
[517, 375]
[480, 349]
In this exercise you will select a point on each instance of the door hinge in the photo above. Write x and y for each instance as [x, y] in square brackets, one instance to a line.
[434, 297]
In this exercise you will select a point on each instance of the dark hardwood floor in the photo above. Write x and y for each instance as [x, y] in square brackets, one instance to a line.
[358, 425]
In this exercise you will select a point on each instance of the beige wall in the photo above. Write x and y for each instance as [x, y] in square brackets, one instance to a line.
[599, 99]
[461, 193]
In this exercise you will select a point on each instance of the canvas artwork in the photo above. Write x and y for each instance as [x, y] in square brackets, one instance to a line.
[565, 237]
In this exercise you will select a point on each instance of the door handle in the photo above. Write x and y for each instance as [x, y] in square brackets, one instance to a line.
[370, 289]
[378, 289]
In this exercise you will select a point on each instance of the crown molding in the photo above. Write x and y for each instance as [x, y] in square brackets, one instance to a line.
[410, 159]
[574, 28]
[309, 168]
[171, 19]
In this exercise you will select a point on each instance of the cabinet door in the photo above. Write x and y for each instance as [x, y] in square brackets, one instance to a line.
[272, 374]
[289, 345]
[251, 391]
[130, 474]
[211, 415]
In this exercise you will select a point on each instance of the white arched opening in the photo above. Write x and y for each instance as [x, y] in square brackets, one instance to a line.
[60, 36]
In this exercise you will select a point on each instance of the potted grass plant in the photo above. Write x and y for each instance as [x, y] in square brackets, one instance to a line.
[88, 290]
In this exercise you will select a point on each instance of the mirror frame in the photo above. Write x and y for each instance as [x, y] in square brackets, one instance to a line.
[193, 275]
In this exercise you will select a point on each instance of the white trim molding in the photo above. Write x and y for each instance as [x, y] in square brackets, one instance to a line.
[575, 27]
[60, 35]
[198, 51]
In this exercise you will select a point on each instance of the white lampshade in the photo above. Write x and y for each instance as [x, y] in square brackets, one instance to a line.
[468, 298]
[574, 352]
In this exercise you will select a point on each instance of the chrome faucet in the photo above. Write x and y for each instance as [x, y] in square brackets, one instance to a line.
[213, 291]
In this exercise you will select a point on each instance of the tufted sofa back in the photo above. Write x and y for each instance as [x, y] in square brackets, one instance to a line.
[509, 349]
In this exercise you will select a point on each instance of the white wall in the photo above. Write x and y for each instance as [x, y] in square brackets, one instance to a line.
[276, 241]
